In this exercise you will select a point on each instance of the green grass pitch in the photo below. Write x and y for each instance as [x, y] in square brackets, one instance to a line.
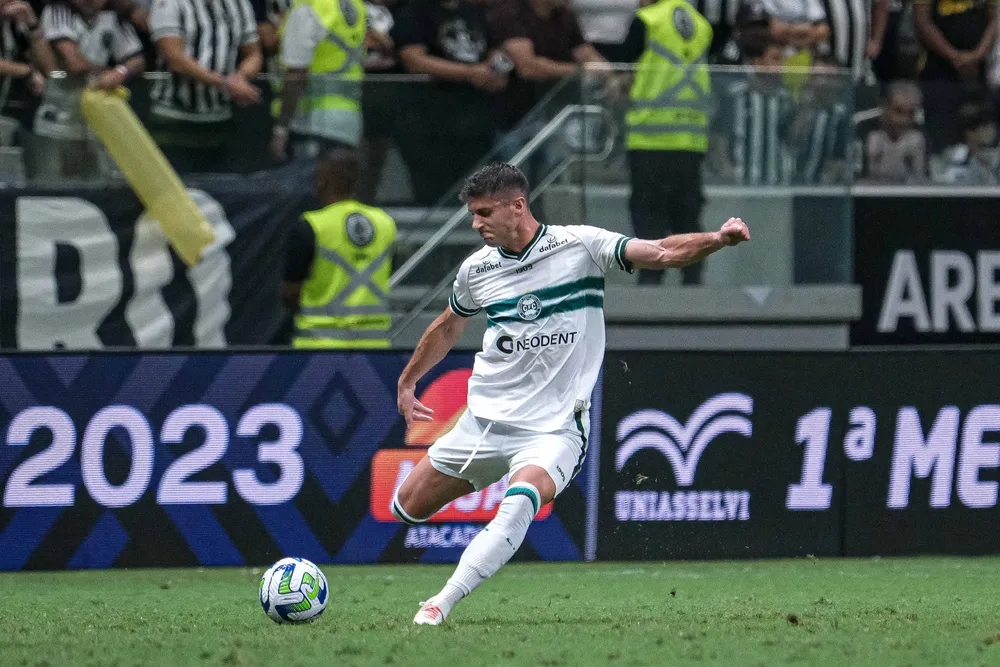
[882, 612]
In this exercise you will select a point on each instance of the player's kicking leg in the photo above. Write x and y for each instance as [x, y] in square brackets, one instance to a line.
[425, 491]
[419, 497]
[530, 488]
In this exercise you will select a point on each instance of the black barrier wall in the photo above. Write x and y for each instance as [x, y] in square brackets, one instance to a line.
[188, 459]
[136, 460]
[708, 455]
[929, 270]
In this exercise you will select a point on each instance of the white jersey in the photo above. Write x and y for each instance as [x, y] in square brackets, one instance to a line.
[544, 343]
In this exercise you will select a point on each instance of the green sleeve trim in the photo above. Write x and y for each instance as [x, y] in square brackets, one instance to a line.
[620, 254]
[458, 309]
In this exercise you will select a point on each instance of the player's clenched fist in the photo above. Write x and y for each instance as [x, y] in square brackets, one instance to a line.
[734, 231]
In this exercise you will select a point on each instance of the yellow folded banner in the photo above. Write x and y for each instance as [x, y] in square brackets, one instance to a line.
[146, 169]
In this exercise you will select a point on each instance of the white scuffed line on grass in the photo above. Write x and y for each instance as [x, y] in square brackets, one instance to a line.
[604, 572]
[515, 572]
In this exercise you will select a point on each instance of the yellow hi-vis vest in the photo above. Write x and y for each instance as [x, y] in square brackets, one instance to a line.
[669, 110]
[345, 300]
[331, 105]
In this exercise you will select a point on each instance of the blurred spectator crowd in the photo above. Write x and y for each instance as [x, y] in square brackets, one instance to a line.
[880, 91]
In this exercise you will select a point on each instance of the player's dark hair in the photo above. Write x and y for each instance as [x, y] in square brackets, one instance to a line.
[494, 179]
[341, 169]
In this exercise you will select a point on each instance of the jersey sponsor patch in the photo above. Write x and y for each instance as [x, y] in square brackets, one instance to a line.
[487, 265]
[360, 229]
[508, 344]
[551, 243]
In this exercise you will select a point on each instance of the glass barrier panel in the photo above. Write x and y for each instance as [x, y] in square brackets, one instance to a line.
[428, 135]
[532, 140]
[778, 148]
[928, 133]
[775, 148]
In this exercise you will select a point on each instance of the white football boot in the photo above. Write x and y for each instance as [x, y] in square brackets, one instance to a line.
[430, 614]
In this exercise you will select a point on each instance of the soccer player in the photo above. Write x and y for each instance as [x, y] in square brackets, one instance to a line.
[543, 291]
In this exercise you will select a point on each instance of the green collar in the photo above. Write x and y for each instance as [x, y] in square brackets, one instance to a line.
[524, 253]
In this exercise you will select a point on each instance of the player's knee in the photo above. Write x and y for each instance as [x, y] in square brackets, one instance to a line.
[400, 512]
[540, 479]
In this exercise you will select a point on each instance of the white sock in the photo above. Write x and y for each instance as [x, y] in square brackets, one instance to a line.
[493, 546]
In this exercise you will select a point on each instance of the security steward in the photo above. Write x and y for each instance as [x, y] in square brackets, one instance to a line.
[338, 263]
[667, 122]
[322, 53]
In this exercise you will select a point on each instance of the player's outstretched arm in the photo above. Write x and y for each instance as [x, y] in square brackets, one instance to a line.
[680, 250]
[436, 342]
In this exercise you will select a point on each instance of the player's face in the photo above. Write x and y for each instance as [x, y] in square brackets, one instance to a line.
[495, 219]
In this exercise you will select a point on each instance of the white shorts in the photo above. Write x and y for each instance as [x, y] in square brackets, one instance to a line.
[507, 449]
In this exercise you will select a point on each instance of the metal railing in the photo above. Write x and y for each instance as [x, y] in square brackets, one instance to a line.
[567, 114]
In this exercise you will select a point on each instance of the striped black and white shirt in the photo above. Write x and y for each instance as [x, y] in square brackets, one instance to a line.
[824, 138]
[103, 39]
[850, 25]
[16, 99]
[14, 47]
[751, 130]
[213, 32]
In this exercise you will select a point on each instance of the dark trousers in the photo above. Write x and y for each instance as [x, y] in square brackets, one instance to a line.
[195, 148]
[444, 134]
[666, 199]
[942, 102]
[944, 95]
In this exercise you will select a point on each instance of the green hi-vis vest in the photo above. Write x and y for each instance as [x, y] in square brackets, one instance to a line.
[331, 105]
[669, 110]
[345, 301]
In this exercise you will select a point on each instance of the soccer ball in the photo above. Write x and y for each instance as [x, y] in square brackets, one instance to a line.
[293, 590]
